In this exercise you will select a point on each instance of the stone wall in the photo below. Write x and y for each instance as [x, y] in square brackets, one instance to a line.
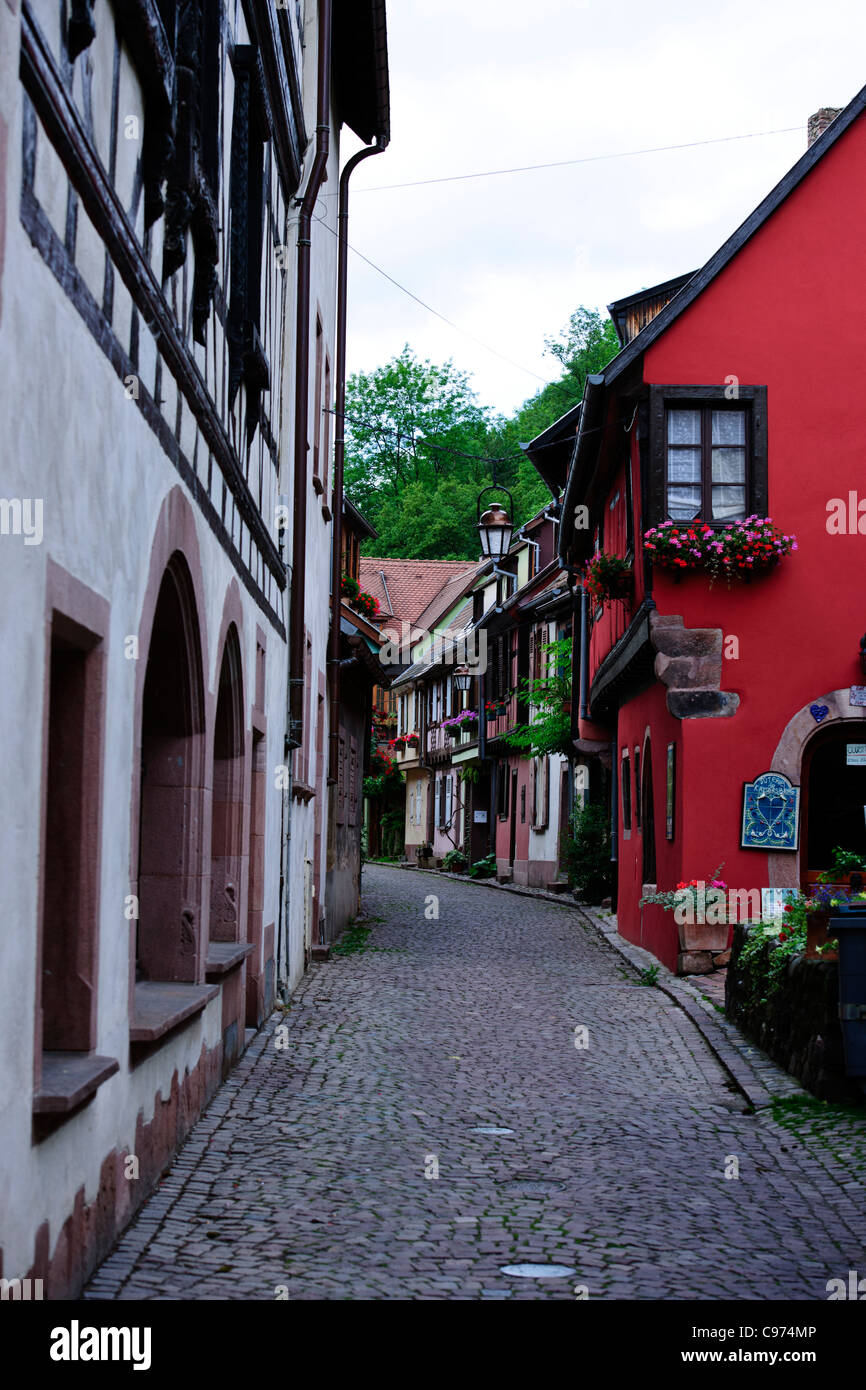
[799, 1025]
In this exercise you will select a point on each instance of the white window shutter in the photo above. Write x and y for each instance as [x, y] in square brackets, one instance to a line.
[449, 796]
[436, 820]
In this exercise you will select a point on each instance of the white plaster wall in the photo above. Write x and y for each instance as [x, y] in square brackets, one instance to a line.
[71, 438]
[302, 910]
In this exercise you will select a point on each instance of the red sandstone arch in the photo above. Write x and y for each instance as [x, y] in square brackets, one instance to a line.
[168, 773]
[229, 782]
[784, 867]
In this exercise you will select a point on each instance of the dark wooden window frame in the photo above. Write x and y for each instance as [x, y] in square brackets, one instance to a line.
[751, 398]
[625, 785]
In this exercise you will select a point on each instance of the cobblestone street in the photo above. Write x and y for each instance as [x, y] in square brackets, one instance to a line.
[308, 1170]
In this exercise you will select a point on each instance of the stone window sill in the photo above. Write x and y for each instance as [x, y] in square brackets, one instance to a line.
[301, 791]
[160, 1006]
[225, 956]
[69, 1079]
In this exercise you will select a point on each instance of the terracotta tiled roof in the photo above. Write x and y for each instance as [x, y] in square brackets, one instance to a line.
[410, 586]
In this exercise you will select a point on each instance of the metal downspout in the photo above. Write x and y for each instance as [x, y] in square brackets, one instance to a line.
[340, 452]
[302, 370]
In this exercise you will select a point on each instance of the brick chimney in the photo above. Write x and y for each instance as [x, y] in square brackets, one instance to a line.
[820, 121]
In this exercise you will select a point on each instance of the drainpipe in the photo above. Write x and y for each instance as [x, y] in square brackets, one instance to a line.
[614, 817]
[340, 451]
[584, 653]
[302, 370]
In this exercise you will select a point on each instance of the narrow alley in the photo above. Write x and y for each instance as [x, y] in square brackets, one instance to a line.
[429, 1114]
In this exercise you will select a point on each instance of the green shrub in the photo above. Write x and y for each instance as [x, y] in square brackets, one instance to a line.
[455, 859]
[484, 868]
[586, 853]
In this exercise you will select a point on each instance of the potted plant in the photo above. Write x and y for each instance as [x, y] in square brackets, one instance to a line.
[349, 587]
[413, 740]
[366, 604]
[494, 708]
[424, 854]
[806, 918]
[399, 742]
[455, 862]
[847, 868]
[608, 578]
[483, 868]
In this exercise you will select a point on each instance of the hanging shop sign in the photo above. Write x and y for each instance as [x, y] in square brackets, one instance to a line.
[771, 813]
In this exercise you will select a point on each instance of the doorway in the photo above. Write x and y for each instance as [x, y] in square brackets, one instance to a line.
[834, 787]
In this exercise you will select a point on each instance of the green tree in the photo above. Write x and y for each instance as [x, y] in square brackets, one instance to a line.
[409, 425]
[419, 445]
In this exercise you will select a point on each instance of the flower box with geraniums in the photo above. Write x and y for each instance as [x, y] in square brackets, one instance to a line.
[399, 742]
[464, 722]
[608, 578]
[731, 550]
[413, 741]
[495, 708]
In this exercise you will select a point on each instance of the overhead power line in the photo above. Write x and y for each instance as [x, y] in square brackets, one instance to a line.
[584, 159]
[450, 322]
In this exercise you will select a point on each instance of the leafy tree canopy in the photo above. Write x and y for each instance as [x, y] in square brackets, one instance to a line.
[419, 444]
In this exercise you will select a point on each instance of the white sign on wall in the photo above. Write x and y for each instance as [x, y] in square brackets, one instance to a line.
[480, 817]
[855, 755]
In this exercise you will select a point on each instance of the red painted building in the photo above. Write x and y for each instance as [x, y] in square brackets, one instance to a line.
[739, 395]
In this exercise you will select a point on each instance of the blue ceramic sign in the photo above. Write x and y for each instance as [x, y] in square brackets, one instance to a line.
[771, 813]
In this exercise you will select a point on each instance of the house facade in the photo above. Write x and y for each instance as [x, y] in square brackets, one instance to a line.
[154, 156]
[468, 789]
[720, 698]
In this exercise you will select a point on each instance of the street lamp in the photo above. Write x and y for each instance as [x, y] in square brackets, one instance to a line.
[495, 525]
[463, 678]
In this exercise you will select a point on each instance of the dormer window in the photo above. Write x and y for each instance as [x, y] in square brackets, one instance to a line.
[709, 453]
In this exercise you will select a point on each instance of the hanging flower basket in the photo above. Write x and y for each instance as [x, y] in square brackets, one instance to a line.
[734, 550]
[608, 578]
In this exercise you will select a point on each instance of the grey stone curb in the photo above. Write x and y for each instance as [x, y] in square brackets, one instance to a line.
[757, 1075]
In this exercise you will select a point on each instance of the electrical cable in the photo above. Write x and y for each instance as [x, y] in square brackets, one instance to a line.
[584, 159]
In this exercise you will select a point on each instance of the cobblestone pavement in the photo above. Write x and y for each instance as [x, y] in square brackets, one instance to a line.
[307, 1173]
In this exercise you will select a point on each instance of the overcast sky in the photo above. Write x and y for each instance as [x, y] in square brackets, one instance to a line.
[489, 84]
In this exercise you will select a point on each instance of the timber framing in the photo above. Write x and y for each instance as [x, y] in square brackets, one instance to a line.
[63, 125]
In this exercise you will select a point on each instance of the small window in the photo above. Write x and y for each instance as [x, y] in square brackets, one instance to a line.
[626, 792]
[540, 793]
[637, 788]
